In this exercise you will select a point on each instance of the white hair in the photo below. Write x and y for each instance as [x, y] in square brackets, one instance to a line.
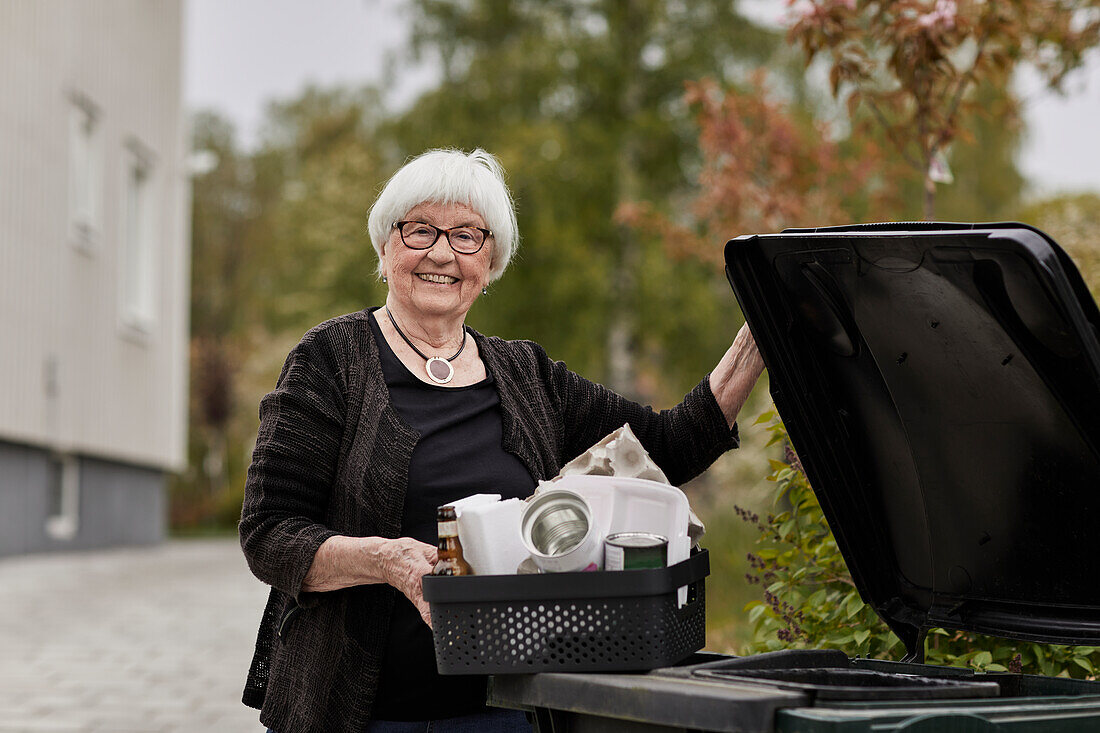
[450, 177]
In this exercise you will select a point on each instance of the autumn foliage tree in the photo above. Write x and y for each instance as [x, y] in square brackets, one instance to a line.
[914, 65]
[766, 166]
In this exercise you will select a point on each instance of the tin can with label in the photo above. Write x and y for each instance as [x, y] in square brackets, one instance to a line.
[635, 551]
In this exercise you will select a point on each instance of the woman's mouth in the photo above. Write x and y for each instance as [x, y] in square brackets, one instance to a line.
[434, 278]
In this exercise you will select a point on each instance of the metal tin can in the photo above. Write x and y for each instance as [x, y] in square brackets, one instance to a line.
[558, 530]
[635, 551]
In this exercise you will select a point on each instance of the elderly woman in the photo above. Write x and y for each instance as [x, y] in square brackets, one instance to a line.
[381, 416]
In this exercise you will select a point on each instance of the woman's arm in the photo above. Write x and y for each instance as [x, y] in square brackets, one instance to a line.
[683, 440]
[286, 494]
[341, 562]
[733, 379]
[282, 529]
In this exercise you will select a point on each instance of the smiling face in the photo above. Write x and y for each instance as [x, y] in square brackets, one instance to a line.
[436, 282]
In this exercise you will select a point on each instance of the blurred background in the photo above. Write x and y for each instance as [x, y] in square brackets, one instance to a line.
[628, 180]
[184, 187]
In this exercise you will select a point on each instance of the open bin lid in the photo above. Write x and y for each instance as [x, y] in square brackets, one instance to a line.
[941, 385]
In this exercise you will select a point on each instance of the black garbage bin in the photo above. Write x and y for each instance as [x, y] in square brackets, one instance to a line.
[941, 385]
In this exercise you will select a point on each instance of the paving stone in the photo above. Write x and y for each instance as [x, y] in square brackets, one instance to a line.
[41, 725]
[152, 639]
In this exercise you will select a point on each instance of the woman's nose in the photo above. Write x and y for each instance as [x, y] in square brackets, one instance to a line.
[441, 251]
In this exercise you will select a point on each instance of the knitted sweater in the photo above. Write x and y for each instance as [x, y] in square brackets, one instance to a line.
[332, 457]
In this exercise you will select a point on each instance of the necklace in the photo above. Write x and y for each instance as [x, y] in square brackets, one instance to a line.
[439, 369]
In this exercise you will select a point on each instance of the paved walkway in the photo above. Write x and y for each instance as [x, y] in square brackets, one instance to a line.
[155, 639]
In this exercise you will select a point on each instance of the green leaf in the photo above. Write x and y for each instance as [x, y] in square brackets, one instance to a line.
[853, 605]
[981, 659]
[861, 636]
[755, 613]
[1084, 664]
[764, 417]
[994, 667]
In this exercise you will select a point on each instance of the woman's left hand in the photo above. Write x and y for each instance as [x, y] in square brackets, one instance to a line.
[735, 375]
[405, 562]
[341, 562]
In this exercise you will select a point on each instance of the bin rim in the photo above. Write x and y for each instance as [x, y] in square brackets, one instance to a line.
[581, 585]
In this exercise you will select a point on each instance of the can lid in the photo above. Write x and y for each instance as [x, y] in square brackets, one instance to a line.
[636, 539]
[941, 385]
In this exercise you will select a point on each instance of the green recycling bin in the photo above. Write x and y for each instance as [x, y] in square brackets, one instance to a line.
[941, 385]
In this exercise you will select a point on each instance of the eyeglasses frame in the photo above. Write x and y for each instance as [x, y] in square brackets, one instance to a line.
[438, 232]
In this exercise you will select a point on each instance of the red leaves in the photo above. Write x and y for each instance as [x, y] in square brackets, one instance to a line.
[916, 68]
[764, 169]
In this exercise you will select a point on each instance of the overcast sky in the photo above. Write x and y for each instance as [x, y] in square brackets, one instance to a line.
[242, 53]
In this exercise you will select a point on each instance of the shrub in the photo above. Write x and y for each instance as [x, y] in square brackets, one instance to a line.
[809, 599]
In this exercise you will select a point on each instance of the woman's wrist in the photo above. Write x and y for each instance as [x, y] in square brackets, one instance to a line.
[385, 553]
[342, 561]
[736, 374]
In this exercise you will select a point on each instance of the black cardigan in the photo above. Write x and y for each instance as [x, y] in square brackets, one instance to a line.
[332, 457]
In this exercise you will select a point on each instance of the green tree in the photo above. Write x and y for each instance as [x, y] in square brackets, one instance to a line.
[582, 100]
[987, 185]
[223, 209]
[321, 157]
[278, 244]
[1072, 220]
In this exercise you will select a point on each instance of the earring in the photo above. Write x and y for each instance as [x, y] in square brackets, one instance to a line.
[384, 280]
[485, 291]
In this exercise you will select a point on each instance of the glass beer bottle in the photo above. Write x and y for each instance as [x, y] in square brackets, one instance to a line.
[451, 561]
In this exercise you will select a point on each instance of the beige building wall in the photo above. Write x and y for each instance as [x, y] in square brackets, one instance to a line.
[79, 372]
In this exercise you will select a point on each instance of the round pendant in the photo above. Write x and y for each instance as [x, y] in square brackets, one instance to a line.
[439, 370]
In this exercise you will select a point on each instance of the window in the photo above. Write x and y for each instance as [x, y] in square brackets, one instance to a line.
[85, 174]
[63, 497]
[138, 251]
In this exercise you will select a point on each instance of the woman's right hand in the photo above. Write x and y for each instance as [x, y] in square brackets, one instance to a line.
[405, 562]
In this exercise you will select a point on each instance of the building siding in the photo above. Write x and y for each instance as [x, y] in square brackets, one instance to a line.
[74, 377]
[120, 504]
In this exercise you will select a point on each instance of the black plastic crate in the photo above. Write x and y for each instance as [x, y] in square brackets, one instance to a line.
[626, 620]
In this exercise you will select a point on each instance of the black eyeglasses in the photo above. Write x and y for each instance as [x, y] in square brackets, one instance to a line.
[464, 240]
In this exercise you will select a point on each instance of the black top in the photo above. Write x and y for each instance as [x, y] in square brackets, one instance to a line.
[459, 453]
[332, 458]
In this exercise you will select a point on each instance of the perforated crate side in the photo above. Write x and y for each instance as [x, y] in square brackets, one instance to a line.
[554, 635]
